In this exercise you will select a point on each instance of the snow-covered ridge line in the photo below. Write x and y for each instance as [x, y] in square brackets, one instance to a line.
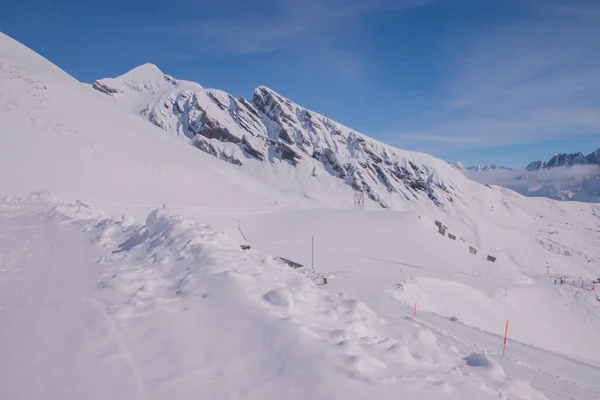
[270, 129]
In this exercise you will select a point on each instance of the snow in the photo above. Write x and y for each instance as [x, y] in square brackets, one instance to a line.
[178, 310]
[121, 273]
[272, 136]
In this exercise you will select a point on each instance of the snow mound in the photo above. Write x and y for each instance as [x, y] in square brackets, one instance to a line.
[279, 297]
[485, 362]
[188, 289]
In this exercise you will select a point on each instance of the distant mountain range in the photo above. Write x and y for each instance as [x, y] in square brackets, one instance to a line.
[563, 177]
[481, 168]
[566, 160]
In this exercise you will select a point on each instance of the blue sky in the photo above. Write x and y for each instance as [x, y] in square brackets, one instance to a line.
[503, 82]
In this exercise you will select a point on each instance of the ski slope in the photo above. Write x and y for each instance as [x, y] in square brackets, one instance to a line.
[105, 293]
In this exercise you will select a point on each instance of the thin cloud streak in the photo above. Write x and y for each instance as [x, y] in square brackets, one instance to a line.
[440, 138]
[520, 82]
[310, 30]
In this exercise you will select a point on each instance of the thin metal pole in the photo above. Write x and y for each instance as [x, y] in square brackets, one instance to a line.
[240, 229]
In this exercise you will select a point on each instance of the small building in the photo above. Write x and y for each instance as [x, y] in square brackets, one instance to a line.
[491, 258]
[289, 263]
[451, 236]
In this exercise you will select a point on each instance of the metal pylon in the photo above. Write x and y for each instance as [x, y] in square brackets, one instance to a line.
[359, 200]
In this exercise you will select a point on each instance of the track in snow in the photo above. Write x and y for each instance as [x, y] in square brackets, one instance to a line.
[52, 343]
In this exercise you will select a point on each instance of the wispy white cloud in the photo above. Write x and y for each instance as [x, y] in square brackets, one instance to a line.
[441, 138]
[579, 182]
[315, 30]
[522, 81]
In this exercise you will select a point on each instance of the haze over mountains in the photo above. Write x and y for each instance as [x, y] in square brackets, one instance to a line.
[563, 177]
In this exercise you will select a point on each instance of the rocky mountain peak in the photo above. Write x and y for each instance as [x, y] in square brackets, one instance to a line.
[566, 160]
[272, 129]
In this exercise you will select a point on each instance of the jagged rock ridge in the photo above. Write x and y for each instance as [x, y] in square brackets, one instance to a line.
[566, 160]
[271, 128]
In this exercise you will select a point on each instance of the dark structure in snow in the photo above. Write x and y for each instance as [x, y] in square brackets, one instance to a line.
[289, 263]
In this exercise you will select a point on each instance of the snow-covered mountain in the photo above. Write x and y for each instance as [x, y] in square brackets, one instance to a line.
[490, 167]
[564, 177]
[273, 130]
[136, 287]
[480, 168]
[566, 160]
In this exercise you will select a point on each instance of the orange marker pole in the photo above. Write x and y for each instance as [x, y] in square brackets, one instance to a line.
[410, 274]
[415, 310]
[505, 335]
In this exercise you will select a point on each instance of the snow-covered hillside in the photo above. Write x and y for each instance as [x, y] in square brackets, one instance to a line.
[106, 293]
[273, 130]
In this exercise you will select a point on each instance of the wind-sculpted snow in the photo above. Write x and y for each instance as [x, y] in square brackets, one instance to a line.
[242, 317]
[274, 130]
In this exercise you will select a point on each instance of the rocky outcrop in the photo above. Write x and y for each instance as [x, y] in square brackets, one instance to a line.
[566, 160]
[271, 128]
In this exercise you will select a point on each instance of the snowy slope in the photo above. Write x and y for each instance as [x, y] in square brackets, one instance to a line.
[168, 307]
[58, 134]
[273, 130]
[182, 312]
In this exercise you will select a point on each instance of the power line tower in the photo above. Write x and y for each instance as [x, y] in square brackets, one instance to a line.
[359, 200]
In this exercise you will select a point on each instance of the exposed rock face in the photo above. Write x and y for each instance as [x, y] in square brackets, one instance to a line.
[273, 129]
[536, 165]
[566, 160]
[485, 168]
